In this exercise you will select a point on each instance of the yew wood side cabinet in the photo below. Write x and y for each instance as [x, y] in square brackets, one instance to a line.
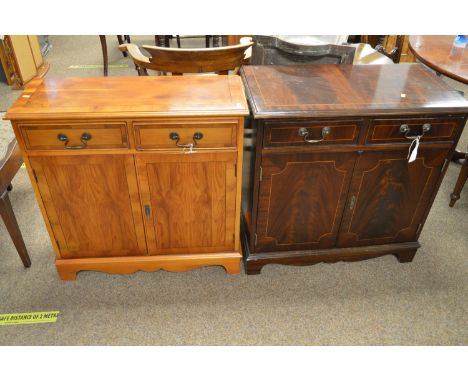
[136, 173]
[330, 176]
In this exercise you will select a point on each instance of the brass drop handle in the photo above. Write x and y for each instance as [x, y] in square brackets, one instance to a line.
[84, 138]
[405, 129]
[176, 137]
[303, 132]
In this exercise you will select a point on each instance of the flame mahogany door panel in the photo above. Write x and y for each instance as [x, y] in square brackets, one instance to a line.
[189, 201]
[389, 197]
[92, 203]
[301, 200]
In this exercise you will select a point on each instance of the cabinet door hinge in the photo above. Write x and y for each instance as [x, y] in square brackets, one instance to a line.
[35, 175]
[58, 244]
[418, 231]
[261, 173]
[255, 240]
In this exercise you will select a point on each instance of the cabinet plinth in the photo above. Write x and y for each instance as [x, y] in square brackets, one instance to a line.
[330, 178]
[136, 174]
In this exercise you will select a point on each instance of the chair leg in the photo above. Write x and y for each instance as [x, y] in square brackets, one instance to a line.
[160, 40]
[6, 211]
[455, 195]
[178, 41]
[207, 41]
[216, 42]
[104, 54]
[122, 40]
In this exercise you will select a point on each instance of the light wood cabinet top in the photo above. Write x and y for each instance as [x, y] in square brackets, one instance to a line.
[331, 90]
[104, 97]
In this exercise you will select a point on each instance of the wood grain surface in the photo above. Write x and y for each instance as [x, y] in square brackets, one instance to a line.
[340, 90]
[108, 135]
[438, 53]
[102, 97]
[216, 133]
[389, 197]
[68, 269]
[92, 204]
[301, 200]
[191, 201]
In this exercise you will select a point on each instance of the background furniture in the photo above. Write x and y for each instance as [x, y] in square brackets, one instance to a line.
[181, 137]
[270, 50]
[455, 195]
[366, 55]
[330, 177]
[10, 163]
[164, 40]
[21, 59]
[273, 50]
[438, 53]
[105, 57]
[160, 40]
[379, 44]
[178, 61]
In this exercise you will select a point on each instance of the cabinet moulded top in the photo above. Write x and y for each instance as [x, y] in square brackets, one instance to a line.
[282, 91]
[110, 97]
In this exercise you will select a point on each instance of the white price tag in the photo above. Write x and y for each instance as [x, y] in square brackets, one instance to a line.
[413, 149]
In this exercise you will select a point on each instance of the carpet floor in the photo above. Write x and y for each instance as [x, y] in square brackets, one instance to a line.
[373, 302]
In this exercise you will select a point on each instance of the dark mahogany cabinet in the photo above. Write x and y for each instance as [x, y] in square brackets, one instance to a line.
[330, 178]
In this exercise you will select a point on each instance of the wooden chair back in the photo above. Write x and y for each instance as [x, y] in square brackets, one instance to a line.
[269, 50]
[178, 61]
[379, 43]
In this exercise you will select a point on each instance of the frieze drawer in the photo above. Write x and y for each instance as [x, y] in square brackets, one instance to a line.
[308, 133]
[173, 135]
[402, 130]
[75, 136]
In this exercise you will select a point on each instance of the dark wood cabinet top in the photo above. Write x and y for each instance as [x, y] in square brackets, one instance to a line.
[105, 97]
[342, 90]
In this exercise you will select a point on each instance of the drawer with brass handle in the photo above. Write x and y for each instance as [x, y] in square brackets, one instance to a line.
[300, 133]
[185, 135]
[70, 136]
[406, 129]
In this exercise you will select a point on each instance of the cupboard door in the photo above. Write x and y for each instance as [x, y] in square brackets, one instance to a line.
[301, 200]
[189, 201]
[92, 203]
[389, 196]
